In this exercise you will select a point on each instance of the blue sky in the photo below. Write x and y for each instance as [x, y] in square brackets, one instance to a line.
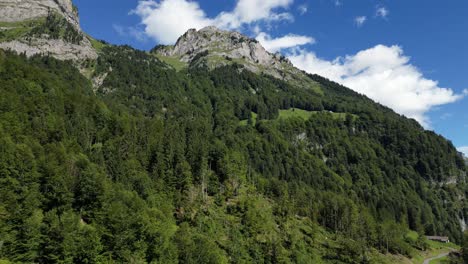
[409, 55]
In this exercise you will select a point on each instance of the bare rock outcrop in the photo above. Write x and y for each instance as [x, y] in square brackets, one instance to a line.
[14, 11]
[21, 10]
[58, 48]
[232, 46]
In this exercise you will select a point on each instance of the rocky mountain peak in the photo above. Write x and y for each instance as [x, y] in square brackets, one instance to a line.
[44, 27]
[219, 47]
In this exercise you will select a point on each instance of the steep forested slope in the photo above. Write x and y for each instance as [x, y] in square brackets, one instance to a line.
[199, 166]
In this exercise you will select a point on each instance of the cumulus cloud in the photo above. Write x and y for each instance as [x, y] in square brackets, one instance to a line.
[166, 20]
[130, 32]
[302, 9]
[249, 11]
[464, 150]
[384, 74]
[381, 12]
[285, 42]
[360, 20]
[446, 116]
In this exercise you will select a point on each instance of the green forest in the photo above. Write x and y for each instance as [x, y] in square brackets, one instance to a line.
[211, 166]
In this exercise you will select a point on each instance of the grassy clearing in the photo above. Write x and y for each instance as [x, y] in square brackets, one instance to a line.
[13, 33]
[444, 260]
[285, 114]
[301, 80]
[97, 45]
[26, 23]
[435, 249]
[245, 122]
[316, 88]
[14, 30]
[173, 61]
[296, 112]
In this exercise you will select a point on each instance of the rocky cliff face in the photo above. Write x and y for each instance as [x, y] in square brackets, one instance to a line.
[24, 29]
[219, 47]
[21, 10]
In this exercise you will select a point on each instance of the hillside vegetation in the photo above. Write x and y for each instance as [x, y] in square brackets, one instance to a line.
[156, 166]
[54, 26]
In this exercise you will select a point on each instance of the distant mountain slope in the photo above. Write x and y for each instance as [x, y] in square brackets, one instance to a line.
[220, 47]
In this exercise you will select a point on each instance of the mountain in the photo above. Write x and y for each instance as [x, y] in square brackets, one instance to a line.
[44, 27]
[213, 48]
[209, 151]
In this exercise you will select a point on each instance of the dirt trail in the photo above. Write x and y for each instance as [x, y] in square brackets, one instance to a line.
[427, 261]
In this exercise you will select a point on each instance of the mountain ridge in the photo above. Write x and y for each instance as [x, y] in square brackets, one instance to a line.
[221, 47]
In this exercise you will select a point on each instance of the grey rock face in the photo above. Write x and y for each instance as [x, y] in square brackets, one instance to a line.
[23, 10]
[230, 45]
[20, 10]
[58, 48]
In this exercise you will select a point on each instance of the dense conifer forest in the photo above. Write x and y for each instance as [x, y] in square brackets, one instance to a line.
[201, 166]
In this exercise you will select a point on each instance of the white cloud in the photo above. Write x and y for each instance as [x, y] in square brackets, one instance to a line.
[119, 29]
[285, 42]
[256, 29]
[464, 150]
[382, 12]
[130, 32]
[169, 19]
[446, 116]
[302, 9]
[385, 75]
[248, 11]
[166, 20]
[360, 20]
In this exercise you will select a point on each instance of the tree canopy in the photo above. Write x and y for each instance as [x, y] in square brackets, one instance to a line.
[165, 166]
